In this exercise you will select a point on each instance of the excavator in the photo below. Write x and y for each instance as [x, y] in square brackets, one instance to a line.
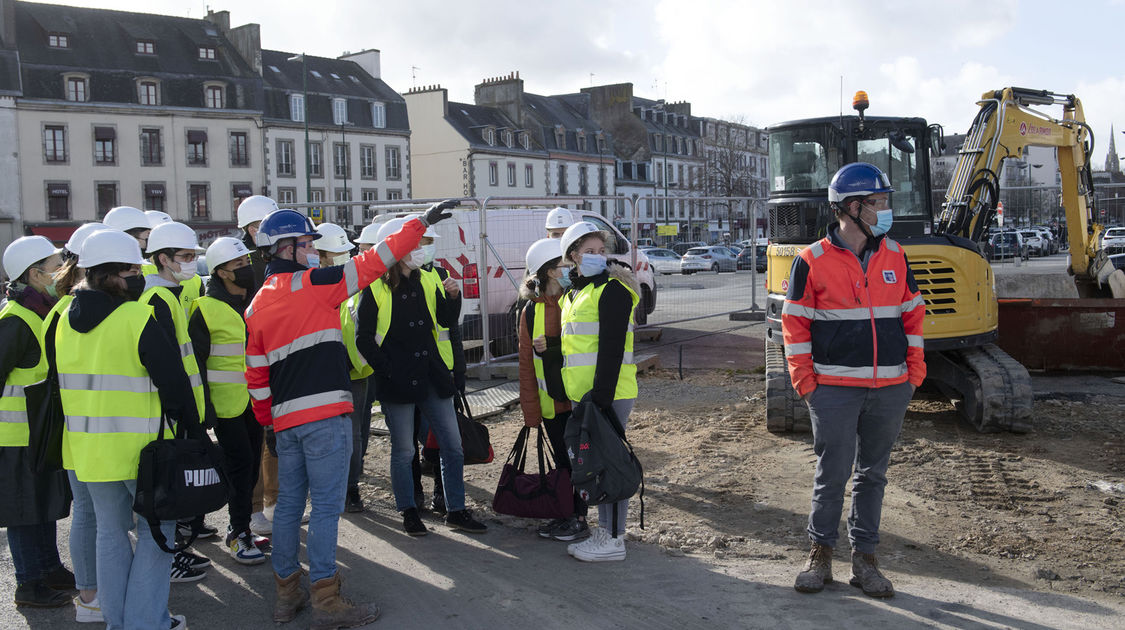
[990, 389]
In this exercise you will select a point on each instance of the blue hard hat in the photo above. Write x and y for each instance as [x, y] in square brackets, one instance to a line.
[858, 179]
[281, 224]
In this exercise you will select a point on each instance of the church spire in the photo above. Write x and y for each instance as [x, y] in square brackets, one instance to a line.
[1112, 163]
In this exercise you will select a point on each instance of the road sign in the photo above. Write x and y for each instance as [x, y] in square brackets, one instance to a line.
[316, 214]
[667, 230]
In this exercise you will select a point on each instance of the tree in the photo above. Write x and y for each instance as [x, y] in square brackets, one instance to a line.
[729, 152]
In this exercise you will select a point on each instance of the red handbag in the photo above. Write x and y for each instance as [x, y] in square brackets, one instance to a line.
[546, 494]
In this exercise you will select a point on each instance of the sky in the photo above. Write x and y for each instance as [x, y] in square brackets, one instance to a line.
[759, 61]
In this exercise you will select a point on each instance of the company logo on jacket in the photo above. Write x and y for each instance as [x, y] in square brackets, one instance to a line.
[889, 276]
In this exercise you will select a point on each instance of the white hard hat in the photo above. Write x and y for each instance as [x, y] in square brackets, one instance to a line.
[370, 234]
[172, 236]
[542, 252]
[25, 252]
[109, 246]
[225, 249]
[74, 245]
[254, 208]
[156, 217]
[333, 239]
[430, 231]
[559, 218]
[126, 218]
[390, 227]
[575, 233]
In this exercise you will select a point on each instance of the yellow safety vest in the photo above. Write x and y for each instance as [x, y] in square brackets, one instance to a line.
[13, 405]
[580, 319]
[111, 405]
[183, 340]
[226, 362]
[349, 313]
[431, 284]
[538, 329]
[149, 269]
[192, 291]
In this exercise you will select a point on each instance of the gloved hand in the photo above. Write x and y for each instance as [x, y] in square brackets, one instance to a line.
[438, 211]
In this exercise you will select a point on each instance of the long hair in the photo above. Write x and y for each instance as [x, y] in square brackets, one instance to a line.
[68, 276]
[538, 281]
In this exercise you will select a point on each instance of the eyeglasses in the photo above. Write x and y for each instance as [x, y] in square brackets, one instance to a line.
[877, 204]
[185, 258]
[305, 244]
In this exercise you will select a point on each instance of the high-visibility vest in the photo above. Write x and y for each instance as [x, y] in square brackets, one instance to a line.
[431, 285]
[149, 269]
[580, 319]
[539, 329]
[192, 290]
[183, 341]
[111, 406]
[358, 368]
[226, 361]
[13, 405]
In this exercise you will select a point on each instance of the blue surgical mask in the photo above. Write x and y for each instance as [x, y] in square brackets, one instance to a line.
[591, 265]
[312, 261]
[564, 280]
[883, 223]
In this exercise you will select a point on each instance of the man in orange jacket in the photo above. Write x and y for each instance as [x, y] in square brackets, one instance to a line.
[297, 374]
[852, 323]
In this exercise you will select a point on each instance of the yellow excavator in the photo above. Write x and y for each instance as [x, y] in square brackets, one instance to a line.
[990, 388]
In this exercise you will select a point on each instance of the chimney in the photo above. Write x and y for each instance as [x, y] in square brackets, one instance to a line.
[504, 93]
[219, 18]
[411, 96]
[7, 23]
[247, 40]
[368, 59]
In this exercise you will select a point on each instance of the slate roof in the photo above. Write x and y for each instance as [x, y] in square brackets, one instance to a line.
[338, 78]
[103, 44]
[9, 73]
[470, 120]
[549, 111]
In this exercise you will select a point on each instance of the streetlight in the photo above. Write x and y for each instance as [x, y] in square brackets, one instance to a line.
[305, 117]
[347, 166]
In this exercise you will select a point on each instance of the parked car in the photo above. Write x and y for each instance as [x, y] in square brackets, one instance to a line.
[710, 258]
[1114, 238]
[645, 243]
[681, 248]
[746, 258]
[1036, 243]
[663, 260]
[1006, 245]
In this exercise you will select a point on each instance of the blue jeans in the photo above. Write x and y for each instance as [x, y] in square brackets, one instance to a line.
[312, 459]
[83, 536]
[853, 426]
[437, 415]
[34, 550]
[132, 585]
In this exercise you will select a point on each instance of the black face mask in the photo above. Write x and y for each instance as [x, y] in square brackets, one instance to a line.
[244, 278]
[134, 287]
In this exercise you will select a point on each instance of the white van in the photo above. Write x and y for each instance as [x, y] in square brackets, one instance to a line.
[510, 232]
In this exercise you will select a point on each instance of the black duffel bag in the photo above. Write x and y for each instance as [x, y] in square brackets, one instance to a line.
[475, 441]
[179, 479]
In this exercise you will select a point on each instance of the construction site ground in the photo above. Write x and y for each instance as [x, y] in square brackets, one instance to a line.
[978, 531]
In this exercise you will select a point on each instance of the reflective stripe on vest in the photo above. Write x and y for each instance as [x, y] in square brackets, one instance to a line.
[431, 285]
[311, 401]
[580, 339]
[187, 354]
[349, 314]
[226, 363]
[112, 408]
[539, 329]
[13, 405]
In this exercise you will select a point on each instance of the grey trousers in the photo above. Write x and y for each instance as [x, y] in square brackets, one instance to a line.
[605, 511]
[853, 427]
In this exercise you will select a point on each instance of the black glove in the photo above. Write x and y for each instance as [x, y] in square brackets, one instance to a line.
[437, 212]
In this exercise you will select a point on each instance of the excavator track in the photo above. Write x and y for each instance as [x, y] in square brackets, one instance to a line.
[992, 391]
[785, 411]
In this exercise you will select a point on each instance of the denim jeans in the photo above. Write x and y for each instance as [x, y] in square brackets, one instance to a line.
[132, 585]
[83, 536]
[437, 415]
[312, 459]
[361, 430]
[34, 550]
[853, 426]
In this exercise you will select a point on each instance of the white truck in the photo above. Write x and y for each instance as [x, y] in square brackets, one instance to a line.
[510, 231]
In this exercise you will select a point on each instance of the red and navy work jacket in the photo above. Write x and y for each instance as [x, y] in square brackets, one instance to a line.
[844, 325]
[296, 362]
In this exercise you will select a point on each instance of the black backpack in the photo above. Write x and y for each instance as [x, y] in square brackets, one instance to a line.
[603, 466]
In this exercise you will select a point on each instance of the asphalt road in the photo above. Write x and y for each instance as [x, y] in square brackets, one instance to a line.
[705, 293]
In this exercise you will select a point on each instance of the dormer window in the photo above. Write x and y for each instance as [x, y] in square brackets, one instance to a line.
[601, 141]
[525, 140]
[560, 136]
[58, 40]
[148, 92]
[207, 53]
[146, 47]
[339, 111]
[490, 136]
[77, 88]
[507, 135]
[213, 96]
[581, 135]
[378, 115]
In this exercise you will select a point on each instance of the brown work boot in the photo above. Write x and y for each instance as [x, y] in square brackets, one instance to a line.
[291, 597]
[331, 610]
[865, 574]
[817, 571]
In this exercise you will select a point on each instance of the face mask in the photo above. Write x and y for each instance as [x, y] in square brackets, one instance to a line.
[53, 290]
[312, 261]
[134, 287]
[244, 277]
[883, 223]
[564, 280]
[591, 265]
[182, 275]
[340, 259]
[428, 253]
[416, 259]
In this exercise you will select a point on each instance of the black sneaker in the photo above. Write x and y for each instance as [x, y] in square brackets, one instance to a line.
[546, 529]
[353, 503]
[438, 504]
[463, 520]
[182, 571]
[36, 594]
[203, 530]
[60, 579]
[412, 523]
[571, 529]
[193, 560]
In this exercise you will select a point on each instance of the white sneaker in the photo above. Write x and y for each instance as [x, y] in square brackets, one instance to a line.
[244, 551]
[179, 622]
[600, 547]
[260, 525]
[88, 612]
